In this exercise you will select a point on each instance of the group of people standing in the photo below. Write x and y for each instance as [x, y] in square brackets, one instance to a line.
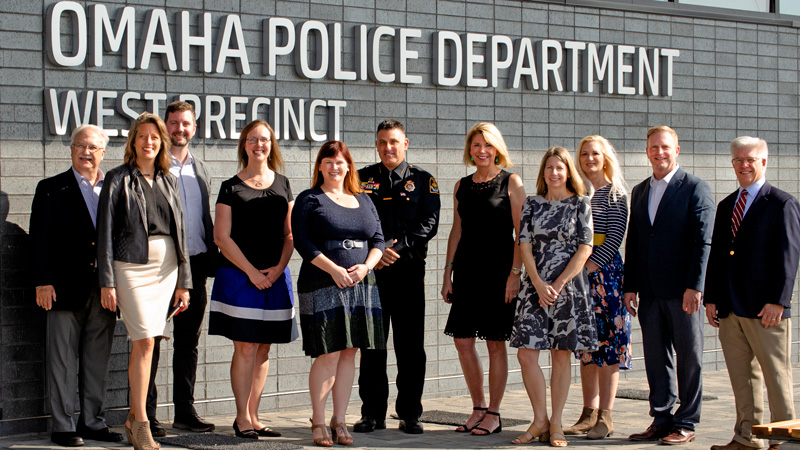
[569, 300]
[543, 272]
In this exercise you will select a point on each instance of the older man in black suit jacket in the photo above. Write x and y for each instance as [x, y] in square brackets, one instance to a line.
[669, 235]
[79, 330]
[751, 271]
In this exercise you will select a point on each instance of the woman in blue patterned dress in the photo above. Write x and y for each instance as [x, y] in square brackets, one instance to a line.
[600, 369]
[338, 234]
[251, 302]
[555, 311]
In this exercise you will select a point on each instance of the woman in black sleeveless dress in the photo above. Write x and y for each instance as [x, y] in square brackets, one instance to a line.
[482, 274]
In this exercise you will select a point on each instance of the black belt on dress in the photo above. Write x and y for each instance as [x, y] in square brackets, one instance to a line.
[346, 244]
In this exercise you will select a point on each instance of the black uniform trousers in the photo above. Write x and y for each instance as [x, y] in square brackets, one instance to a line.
[402, 292]
[185, 337]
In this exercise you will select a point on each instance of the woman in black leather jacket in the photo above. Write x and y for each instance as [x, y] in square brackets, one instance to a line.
[142, 255]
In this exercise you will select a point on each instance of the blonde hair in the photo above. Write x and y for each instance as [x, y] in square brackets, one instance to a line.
[274, 160]
[611, 169]
[663, 129]
[574, 181]
[163, 158]
[492, 137]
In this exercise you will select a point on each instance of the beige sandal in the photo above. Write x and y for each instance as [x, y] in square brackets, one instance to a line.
[142, 438]
[534, 432]
[325, 440]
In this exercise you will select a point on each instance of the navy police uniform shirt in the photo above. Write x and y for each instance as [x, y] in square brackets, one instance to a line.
[407, 200]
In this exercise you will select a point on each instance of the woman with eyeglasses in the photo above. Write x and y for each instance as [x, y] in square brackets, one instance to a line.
[252, 302]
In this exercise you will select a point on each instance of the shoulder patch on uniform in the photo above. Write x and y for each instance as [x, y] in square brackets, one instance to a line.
[434, 187]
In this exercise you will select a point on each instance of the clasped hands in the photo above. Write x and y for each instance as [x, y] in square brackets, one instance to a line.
[349, 277]
[263, 279]
[548, 293]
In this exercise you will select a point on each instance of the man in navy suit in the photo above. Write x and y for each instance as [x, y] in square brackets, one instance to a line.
[669, 237]
[79, 330]
[751, 271]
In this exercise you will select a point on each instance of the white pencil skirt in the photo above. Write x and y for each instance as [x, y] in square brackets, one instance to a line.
[145, 291]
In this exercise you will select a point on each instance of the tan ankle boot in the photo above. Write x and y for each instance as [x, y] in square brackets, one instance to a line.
[604, 426]
[585, 422]
[142, 438]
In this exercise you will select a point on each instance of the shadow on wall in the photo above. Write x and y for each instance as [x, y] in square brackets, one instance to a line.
[22, 334]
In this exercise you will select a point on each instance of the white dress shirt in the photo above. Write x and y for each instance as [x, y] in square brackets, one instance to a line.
[192, 202]
[657, 189]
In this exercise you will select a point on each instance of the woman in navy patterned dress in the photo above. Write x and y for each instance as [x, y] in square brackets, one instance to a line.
[554, 312]
[600, 369]
[338, 233]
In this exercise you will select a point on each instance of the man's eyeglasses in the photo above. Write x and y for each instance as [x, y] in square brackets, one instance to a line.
[740, 161]
[82, 147]
[254, 141]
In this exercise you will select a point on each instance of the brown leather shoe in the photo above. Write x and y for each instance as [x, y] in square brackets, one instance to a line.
[774, 447]
[652, 433]
[732, 445]
[678, 436]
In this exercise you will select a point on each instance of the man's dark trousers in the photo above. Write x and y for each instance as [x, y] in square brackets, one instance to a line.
[185, 335]
[402, 292]
[667, 327]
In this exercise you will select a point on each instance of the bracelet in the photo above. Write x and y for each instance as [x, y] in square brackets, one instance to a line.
[448, 265]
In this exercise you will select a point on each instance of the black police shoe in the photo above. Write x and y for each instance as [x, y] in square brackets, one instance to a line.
[411, 426]
[367, 424]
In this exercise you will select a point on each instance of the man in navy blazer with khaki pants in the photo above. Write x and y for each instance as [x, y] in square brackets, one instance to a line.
[669, 235]
[751, 271]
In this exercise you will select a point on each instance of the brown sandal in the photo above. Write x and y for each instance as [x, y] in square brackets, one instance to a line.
[557, 438]
[534, 432]
[325, 440]
[342, 438]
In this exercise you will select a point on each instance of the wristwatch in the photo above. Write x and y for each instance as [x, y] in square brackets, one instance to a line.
[516, 271]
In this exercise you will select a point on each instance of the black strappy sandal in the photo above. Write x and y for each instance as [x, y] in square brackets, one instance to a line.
[464, 428]
[487, 432]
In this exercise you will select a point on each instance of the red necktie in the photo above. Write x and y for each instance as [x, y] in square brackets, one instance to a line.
[738, 212]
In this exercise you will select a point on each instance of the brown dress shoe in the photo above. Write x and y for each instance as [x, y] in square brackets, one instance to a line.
[652, 433]
[732, 445]
[774, 447]
[678, 436]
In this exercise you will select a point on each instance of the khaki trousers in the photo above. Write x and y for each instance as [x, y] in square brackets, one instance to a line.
[755, 356]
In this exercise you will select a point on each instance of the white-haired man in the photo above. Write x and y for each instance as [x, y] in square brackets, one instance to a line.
[749, 281]
[79, 330]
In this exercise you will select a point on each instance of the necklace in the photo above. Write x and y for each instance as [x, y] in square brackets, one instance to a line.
[252, 179]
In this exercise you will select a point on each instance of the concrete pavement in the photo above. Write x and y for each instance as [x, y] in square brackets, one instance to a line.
[630, 416]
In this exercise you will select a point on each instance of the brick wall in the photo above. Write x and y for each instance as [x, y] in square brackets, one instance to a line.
[731, 79]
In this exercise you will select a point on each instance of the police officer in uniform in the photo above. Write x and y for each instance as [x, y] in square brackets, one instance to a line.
[407, 200]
